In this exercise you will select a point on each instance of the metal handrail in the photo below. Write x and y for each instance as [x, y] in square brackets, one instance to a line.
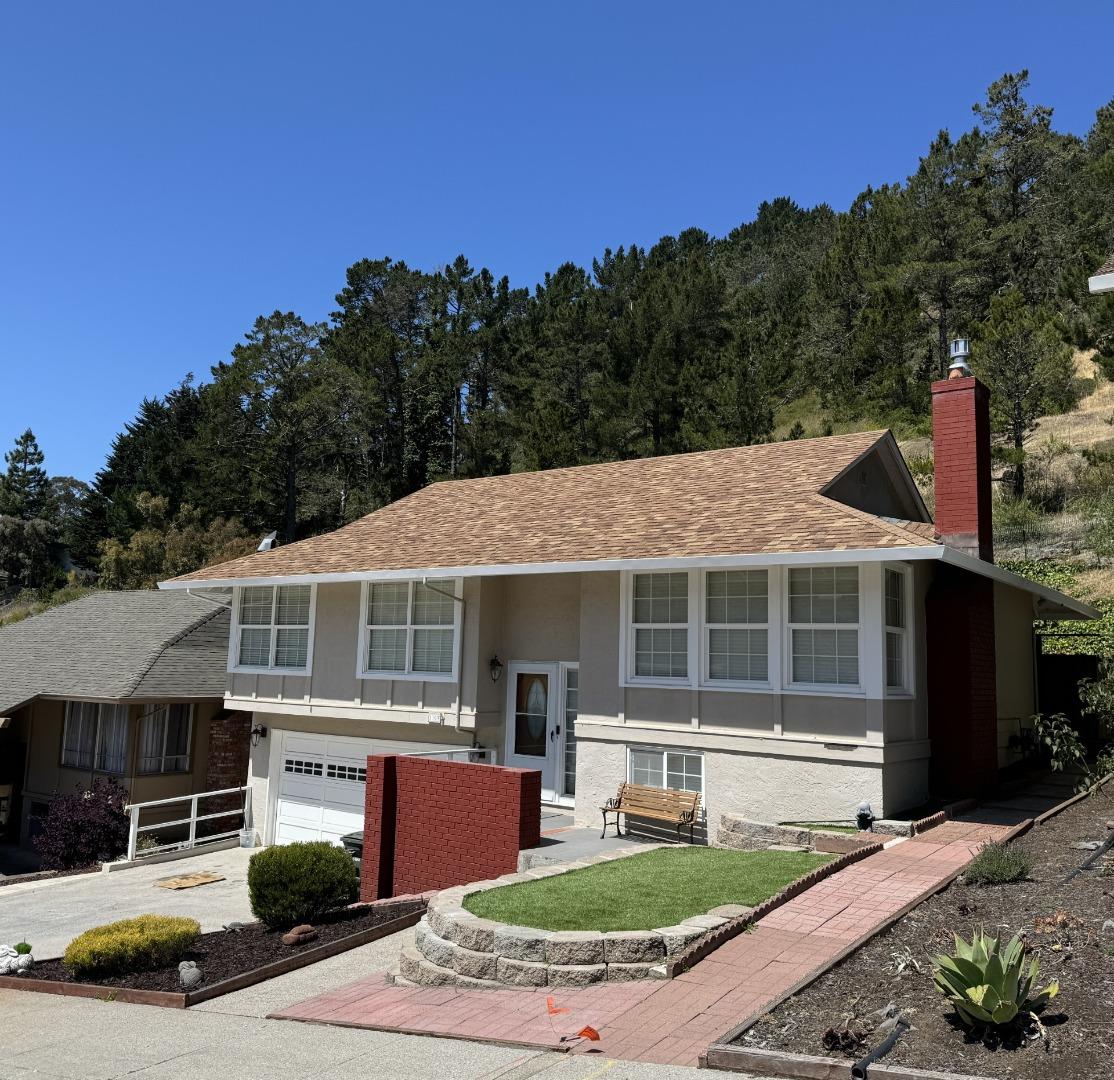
[486, 754]
[133, 810]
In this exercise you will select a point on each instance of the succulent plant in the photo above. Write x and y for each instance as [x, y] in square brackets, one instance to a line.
[984, 980]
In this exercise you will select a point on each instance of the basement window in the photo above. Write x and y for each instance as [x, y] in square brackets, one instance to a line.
[665, 769]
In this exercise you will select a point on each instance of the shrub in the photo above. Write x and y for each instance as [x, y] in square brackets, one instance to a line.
[84, 828]
[298, 883]
[985, 982]
[22, 948]
[998, 864]
[149, 941]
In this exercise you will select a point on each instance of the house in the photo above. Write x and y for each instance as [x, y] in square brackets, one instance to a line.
[122, 684]
[1103, 278]
[780, 626]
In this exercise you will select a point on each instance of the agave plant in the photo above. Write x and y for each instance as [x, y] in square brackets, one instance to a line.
[984, 980]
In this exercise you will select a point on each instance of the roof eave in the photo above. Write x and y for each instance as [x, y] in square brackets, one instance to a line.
[1101, 283]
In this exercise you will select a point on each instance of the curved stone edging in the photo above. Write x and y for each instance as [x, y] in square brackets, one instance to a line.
[453, 947]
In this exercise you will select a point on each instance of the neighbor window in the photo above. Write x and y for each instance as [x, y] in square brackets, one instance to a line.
[164, 739]
[897, 631]
[273, 624]
[95, 737]
[736, 625]
[824, 625]
[410, 627]
[659, 624]
[666, 769]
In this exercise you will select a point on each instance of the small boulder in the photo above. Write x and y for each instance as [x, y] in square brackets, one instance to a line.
[300, 935]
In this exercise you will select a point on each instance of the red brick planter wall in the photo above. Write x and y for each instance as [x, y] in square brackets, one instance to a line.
[432, 824]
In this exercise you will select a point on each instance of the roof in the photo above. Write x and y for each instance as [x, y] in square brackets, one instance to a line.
[114, 646]
[749, 500]
[1102, 280]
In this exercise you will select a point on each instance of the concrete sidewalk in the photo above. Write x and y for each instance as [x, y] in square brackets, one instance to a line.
[674, 1022]
[51, 913]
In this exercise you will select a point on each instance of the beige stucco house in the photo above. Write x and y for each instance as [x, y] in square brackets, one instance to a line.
[781, 626]
[122, 684]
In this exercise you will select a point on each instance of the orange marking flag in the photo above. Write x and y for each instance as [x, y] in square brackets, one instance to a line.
[553, 1010]
[589, 1033]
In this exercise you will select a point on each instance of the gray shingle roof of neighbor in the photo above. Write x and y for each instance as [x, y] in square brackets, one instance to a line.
[117, 645]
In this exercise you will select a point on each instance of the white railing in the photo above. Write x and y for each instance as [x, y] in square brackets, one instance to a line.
[134, 829]
[478, 755]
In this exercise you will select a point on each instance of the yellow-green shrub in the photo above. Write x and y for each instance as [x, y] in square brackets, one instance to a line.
[119, 948]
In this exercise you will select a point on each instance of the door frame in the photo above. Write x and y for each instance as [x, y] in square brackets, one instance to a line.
[547, 765]
[563, 668]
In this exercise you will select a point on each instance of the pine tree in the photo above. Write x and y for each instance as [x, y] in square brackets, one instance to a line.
[24, 487]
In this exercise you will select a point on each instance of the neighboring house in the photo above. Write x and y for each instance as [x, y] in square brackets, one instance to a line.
[780, 626]
[1103, 278]
[122, 684]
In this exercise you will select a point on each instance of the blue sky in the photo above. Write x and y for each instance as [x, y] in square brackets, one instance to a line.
[169, 172]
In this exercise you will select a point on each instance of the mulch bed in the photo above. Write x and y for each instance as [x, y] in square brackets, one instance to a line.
[1062, 924]
[223, 954]
[44, 875]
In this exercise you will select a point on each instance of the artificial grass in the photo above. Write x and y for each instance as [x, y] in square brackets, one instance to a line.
[823, 826]
[642, 892]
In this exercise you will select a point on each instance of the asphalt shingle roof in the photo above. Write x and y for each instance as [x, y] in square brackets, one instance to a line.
[117, 645]
[744, 500]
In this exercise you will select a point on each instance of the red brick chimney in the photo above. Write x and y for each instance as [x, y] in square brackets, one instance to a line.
[961, 452]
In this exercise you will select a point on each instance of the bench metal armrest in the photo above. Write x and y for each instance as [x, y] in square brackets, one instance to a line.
[687, 816]
[611, 804]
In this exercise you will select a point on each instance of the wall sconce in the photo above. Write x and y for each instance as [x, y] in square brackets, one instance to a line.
[258, 732]
[496, 666]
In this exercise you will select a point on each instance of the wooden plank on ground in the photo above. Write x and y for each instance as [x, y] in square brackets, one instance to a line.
[189, 881]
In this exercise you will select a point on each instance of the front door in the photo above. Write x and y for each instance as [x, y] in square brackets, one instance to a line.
[533, 725]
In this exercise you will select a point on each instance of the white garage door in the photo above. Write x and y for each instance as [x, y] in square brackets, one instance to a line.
[320, 789]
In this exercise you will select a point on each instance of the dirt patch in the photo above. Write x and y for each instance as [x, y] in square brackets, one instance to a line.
[223, 954]
[1062, 923]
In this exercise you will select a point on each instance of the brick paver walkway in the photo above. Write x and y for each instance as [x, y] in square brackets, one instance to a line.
[673, 1022]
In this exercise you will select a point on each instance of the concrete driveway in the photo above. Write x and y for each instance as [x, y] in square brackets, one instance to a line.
[50, 914]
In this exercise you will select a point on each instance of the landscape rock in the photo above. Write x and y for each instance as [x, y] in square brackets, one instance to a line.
[521, 942]
[521, 972]
[474, 965]
[577, 974]
[442, 918]
[436, 948]
[633, 947]
[679, 937]
[474, 933]
[731, 911]
[705, 922]
[577, 948]
[300, 935]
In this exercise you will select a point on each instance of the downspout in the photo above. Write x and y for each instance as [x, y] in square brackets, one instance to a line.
[459, 646]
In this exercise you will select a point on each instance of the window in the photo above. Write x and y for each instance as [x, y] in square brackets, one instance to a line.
[666, 769]
[95, 737]
[572, 704]
[355, 773]
[824, 625]
[300, 767]
[164, 739]
[410, 627]
[273, 627]
[659, 619]
[736, 621]
[897, 631]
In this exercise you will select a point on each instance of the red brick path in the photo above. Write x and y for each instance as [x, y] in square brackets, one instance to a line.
[675, 1021]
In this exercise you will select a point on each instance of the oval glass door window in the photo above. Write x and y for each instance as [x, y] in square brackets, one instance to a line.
[531, 716]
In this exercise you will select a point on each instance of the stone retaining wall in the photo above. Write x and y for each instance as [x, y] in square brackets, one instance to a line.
[453, 947]
[745, 835]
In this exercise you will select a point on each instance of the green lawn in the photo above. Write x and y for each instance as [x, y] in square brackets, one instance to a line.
[822, 825]
[642, 892]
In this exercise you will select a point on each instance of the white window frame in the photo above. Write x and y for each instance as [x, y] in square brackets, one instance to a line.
[453, 585]
[773, 616]
[162, 770]
[664, 751]
[627, 677]
[100, 707]
[824, 689]
[234, 664]
[907, 688]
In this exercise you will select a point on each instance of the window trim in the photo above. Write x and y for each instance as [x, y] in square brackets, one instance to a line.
[664, 751]
[100, 706]
[773, 617]
[627, 677]
[908, 688]
[456, 586]
[234, 665]
[162, 770]
[787, 627]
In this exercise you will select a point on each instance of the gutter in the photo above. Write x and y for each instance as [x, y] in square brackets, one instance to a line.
[459, 644]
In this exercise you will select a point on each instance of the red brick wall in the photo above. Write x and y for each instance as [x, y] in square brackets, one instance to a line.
[962, 685]
[961, 455]
[431, 824]
[227, 767]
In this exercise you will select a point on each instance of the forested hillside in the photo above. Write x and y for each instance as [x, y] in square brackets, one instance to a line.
[800, 321]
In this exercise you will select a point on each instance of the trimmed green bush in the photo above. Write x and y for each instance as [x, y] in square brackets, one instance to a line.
[298, 883]
[998, 864]
[140, 944]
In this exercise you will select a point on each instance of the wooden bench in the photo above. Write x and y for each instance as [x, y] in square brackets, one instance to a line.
[679, 808]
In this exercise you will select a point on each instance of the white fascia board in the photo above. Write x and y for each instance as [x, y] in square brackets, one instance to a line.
[1070, 607]
[781, 558]
[1101, 283]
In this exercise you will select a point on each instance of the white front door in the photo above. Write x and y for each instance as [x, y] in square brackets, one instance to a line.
[533, 728]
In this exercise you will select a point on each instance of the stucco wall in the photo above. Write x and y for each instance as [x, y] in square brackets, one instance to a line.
[1013, 644]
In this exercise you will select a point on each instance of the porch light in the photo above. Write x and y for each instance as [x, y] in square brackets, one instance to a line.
[496, 666]
[258, 732]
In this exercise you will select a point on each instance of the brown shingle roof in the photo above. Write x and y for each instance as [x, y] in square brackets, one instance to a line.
[745, 500]
[1106, 268]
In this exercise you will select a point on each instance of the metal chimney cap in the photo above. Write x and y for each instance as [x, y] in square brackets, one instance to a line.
[959, 348]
